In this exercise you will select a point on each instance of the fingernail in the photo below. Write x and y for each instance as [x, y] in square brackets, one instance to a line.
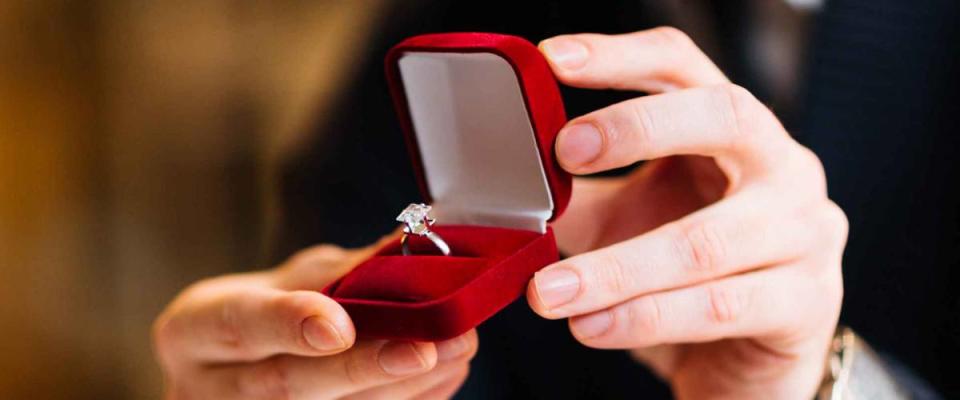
[592, 325]
[567, 53]
[556, 286]
[401, 358]
[578, 145]
[322, 335]
[453, 348]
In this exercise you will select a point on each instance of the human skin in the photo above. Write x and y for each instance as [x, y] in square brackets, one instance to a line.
[272, 335]
[716, 263]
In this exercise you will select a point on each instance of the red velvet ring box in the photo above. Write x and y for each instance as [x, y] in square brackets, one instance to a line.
[480, 113]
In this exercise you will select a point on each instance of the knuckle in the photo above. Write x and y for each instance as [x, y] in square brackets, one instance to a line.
[613, 275]
[645, 316]
[806, 171]
[726, 304]
[741, 100]
[643, 124]
[818, 175]
[671, 36]
[809, 161]
[226, 326]
[742, 111]
[677, 50]
[836, 226]
[702, 248]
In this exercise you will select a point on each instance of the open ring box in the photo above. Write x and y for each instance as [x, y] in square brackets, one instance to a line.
[480, 113]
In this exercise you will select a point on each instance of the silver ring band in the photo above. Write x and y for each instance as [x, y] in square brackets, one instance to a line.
[417, 222]
[433, 236]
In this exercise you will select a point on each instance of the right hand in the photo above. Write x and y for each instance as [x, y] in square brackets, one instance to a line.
[272, 335]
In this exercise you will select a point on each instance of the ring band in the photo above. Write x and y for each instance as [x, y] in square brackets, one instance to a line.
[417, 222]
[433, 236]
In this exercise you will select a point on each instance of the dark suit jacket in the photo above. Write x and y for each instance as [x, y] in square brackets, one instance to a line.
[880, 108]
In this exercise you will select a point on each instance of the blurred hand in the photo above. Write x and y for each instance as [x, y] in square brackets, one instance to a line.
[717, 263]
[271, 335]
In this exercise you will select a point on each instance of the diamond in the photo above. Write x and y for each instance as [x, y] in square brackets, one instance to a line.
[416, 219]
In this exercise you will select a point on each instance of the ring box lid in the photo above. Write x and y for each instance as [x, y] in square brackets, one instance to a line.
[480, 113]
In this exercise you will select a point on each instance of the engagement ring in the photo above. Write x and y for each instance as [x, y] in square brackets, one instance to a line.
[417, 222]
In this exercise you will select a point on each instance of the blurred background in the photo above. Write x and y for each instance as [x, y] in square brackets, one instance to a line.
[141, 144]
[136, 145]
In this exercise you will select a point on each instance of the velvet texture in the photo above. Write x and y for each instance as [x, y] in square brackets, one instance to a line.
[434, 297]
[540, 93]
[428, 296]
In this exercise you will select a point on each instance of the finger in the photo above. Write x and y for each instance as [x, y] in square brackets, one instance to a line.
[316, 267]
[248, 322]
[725, 122]
[748, 230]
[578, 230]
[770, 302]
[447, 388]
[654, 60]
[413, 387]
[453, 356]
[366, 365]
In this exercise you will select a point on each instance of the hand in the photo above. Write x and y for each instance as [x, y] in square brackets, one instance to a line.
[270, 335]
[717, 263]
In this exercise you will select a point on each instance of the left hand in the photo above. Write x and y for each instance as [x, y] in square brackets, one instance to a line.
[272, 335]
[717, 263]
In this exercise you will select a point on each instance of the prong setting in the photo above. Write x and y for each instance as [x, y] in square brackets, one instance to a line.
[416, 220]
